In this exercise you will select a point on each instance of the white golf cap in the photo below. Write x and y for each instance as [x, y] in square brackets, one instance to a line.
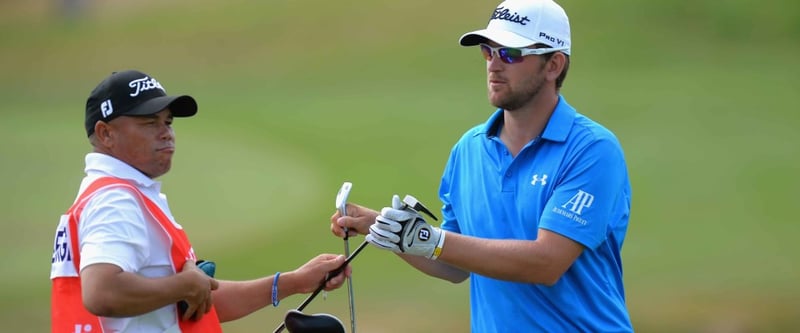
[521, 23]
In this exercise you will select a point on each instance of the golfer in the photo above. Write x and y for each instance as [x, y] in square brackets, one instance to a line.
[121, 261]
[536, 200]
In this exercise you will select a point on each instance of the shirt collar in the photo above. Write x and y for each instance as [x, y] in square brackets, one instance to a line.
[560, 122]
[557, 128]
[492, 126]
[106, 165]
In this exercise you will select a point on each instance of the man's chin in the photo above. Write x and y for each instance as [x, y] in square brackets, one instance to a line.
[495, 100]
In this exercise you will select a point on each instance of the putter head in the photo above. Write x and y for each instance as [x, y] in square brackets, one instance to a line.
[298, 322]
[412, 202]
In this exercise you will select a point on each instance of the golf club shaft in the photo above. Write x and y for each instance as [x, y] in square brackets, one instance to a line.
[322, 285]
[350, 287]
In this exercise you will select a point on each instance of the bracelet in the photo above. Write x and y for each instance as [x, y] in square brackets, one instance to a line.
[275, 300]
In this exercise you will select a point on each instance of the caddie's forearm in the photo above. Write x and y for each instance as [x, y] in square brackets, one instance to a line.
[236, 299]
[109, 293]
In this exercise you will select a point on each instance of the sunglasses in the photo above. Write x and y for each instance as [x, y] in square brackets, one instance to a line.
[512, 55]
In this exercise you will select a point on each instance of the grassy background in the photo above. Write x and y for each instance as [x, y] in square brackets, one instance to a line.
[297, 96]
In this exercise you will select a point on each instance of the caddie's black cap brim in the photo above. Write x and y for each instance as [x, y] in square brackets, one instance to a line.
[181, 106]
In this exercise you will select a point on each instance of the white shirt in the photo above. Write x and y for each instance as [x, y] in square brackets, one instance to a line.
[115, 229]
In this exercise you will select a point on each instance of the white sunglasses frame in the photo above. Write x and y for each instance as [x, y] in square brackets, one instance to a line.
[524, 51]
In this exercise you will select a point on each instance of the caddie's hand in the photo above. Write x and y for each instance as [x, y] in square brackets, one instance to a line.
[402, 230]
[199, 287]
[357, 221]
[308, 277]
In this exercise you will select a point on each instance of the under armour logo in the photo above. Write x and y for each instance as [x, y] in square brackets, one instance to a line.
[537, 179]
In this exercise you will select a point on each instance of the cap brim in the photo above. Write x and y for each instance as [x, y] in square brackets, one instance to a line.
[502, 37]
[180, 106]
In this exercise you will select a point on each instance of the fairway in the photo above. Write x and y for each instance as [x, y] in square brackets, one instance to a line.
[296, 98]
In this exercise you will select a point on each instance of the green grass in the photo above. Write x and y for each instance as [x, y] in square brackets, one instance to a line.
[296, 98]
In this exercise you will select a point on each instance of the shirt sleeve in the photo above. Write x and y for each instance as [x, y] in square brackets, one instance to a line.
[113, 230]
[449, 221]
[585, 199]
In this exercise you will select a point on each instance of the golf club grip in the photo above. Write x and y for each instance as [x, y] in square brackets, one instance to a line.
[330, 276]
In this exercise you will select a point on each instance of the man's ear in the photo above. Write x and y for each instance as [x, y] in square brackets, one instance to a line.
[102, 133]
[555, 65]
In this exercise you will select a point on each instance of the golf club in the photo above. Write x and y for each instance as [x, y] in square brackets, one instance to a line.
[341, 205]
[333, 273]
[409, 201]
[298, 322]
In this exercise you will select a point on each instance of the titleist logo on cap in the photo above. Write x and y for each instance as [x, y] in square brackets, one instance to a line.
[144, 84]
[502, 13]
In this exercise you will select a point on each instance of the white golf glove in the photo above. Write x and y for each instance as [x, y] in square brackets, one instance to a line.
[402, 230]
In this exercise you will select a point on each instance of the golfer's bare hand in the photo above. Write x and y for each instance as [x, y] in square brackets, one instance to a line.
[357, 221]
[199, 285]
[311, 274]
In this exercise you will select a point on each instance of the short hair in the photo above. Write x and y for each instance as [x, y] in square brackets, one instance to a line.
[561, 77]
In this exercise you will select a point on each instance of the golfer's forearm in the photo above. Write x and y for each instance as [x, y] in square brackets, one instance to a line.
[436, 269]
[510, 260]
[236, 299]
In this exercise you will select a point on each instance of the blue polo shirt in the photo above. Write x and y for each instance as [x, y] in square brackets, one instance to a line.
[571, 180]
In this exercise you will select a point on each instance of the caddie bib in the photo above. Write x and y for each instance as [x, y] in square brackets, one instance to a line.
[68, 315]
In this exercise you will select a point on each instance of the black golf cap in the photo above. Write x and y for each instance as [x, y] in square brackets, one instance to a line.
[132, 93]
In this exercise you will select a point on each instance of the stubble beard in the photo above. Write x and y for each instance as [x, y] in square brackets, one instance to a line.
[516, 100]
[521, 95]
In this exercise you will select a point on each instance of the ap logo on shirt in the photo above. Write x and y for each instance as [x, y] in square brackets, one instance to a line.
[574, 207]
[578, 202]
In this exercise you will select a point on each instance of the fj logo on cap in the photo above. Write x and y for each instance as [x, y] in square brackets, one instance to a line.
[502, 13]
[106, 109]
[144, 84]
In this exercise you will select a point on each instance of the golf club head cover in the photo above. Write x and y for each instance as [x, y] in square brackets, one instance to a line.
[402, 229]
[298, 322]
[209, 267]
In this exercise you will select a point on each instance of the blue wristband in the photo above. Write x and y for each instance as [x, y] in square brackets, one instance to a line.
[275, 300]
